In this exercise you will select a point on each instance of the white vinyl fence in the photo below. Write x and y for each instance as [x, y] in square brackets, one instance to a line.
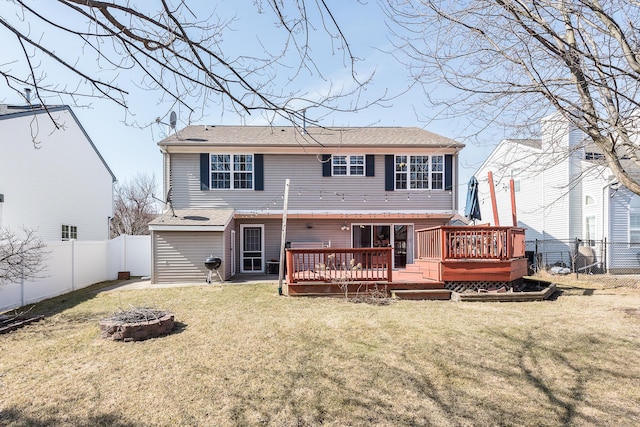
[73, 264]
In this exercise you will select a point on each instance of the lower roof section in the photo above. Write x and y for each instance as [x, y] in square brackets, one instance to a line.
[192, 219]
[347, 215]
[219, 219]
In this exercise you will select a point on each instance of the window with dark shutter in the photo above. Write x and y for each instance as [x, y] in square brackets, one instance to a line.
[370, 165]
[389, 172]
[204, 171]
[326, 165]
[258, 160]
[448, 172]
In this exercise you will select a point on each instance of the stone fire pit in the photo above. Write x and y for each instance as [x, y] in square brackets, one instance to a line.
[137, 324]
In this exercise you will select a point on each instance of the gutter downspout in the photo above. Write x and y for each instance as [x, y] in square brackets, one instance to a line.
[605, 233]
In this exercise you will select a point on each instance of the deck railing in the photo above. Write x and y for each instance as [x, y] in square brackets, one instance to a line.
[470, 242]
[333, 264]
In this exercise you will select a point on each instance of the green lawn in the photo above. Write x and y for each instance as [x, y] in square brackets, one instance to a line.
[246, 356]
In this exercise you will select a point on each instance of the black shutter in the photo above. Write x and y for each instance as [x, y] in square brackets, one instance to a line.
[258, 168]
[370, 165]
[326, 165]
[389, 172]
[205, 168]
[448, 172]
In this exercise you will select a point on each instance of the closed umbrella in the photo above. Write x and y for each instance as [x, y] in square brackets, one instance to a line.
[472, 208]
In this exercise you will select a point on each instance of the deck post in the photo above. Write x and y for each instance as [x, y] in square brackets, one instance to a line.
[514, 216]
[290, 267]
[494, 205]
[389, 269]
[283, 236]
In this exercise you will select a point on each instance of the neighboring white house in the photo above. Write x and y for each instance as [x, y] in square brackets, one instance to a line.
[53, 181]
[563, 192]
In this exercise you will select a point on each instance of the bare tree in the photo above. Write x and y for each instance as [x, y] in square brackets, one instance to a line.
[134, 206]
[511, 62]
[177, 49]
[21, 256]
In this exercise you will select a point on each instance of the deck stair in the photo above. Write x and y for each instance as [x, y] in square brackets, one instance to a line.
[421, 294]
[400, 289]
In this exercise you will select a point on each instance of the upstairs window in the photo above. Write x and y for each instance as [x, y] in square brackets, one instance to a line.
[347, 165]
[69, 232]
[437, 172]
[231, 171]
[593, 156]
[419, 172]
[634, 219]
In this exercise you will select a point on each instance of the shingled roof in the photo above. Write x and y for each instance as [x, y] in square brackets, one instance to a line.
[284, 136]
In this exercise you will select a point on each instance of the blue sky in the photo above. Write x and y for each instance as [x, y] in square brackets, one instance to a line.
[131, 150]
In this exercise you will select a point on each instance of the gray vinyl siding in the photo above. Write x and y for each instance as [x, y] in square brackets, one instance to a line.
[326, 231]
[575, 189]
[623, 258]
[307, 186]
[179, 255]
[228, 247]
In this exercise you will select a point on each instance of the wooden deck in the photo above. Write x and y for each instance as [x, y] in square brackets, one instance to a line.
[473, 254]
[448, 259]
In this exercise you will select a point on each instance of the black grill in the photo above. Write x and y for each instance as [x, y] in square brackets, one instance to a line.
[212, 263]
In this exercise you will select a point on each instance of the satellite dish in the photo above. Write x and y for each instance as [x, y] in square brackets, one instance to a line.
[168, 200]
[173, 119]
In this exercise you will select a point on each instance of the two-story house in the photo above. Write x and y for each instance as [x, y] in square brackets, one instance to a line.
[564, 191]
[349, 188]
[53, 180]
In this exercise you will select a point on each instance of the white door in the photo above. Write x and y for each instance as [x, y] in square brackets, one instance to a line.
[252, 248]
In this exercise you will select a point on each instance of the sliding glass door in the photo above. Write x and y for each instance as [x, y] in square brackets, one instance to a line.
[397, 236]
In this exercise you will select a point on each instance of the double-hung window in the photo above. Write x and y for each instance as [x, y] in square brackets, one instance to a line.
[69, 232]
[231, 171]
[347, 165]
[419, 172]
[634, 220]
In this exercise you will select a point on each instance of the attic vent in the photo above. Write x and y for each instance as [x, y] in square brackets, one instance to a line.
[196, 218]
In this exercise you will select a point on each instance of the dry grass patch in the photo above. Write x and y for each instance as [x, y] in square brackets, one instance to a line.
[245, 356]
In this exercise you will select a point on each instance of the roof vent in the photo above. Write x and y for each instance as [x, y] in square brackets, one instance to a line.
[27, 95]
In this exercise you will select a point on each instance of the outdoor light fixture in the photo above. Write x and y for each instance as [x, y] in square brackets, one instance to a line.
[345, 227]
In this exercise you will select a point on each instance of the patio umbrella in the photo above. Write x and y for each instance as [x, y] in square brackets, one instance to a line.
[472, 208]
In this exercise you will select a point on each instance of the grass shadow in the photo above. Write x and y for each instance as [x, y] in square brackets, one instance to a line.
[15, 417]
[60, 303]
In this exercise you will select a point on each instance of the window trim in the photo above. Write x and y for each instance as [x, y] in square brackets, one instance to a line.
[633, 212]
[348, 164]
[429, 172]
[232, 172]
[70, 231]
[586, 235]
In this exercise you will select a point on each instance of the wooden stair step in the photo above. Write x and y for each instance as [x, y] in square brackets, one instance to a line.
[421, 294]
[408, 275]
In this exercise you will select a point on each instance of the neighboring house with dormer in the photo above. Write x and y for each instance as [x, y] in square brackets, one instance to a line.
[564, 191]
[52, 180]
[349, 188]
